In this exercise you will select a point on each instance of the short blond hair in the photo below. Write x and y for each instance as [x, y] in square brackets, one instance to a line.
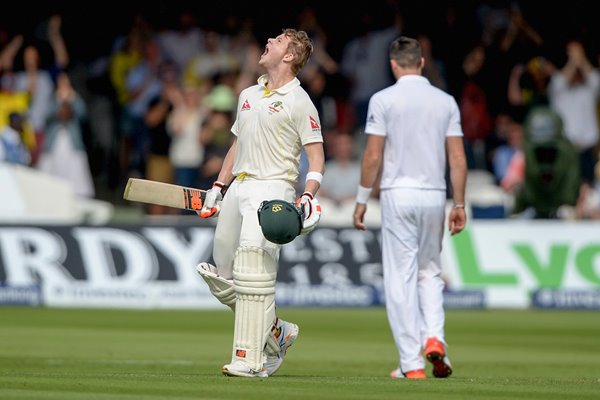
[301, 46]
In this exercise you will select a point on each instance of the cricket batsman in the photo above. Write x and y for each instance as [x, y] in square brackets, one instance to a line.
[275, 121]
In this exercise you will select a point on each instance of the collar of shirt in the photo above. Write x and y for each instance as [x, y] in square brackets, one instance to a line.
[288, 87]
[413, 78]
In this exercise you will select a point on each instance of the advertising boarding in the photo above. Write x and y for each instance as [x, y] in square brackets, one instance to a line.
[514, 264]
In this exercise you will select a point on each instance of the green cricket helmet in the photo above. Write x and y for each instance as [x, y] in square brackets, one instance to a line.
[280, 221]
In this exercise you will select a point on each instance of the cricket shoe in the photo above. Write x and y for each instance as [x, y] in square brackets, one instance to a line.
[414, 374]
[286, 333]
[241, 369]
[436, 354]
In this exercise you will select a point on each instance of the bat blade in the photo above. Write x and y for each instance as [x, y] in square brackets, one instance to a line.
[164, 194]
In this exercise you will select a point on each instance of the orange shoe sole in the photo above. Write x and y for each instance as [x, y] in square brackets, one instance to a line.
[416, 374]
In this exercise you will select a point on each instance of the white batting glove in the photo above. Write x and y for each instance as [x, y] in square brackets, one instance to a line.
[311, 210]
[211, 207]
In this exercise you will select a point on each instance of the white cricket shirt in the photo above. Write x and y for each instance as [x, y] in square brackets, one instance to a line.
[415, 118]
[271, 128]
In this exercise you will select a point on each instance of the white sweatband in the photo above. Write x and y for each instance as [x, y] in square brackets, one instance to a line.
[363, 195]
[315, 176]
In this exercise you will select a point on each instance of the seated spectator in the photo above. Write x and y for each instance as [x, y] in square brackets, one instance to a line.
[216, 132]
[588, 203]
[342, 170]
[12, 148]
[507, 160]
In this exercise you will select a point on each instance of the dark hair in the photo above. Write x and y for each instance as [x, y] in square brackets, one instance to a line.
[406, 52]
[15, 118]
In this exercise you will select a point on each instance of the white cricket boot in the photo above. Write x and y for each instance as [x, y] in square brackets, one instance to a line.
[286, 333]
[241, 369]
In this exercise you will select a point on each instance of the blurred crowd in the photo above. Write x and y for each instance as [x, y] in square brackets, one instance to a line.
[159, 102]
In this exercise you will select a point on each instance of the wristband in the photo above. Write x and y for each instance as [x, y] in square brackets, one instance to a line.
[309, 194]
[363, 194]
[458, 206]
[315, 176]
[223, 187]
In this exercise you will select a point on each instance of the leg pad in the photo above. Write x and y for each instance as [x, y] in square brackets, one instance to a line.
[254, 274]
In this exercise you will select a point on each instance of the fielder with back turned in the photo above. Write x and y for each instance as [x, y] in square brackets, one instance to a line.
[275, 120]
[412, 127]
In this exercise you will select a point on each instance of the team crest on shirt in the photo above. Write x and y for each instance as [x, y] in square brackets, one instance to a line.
[246, 105]
[313, 123]
[275, 107]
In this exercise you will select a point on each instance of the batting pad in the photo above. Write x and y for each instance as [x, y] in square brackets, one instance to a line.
[224, 291]
[220, 287]
[254, 273]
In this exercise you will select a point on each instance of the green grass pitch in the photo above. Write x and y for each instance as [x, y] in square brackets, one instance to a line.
[340, 354]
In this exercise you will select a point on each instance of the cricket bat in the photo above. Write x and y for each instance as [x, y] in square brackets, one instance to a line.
[164, 194]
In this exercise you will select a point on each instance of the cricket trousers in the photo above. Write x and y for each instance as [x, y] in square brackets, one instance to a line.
[238, 220]
[412, 230]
